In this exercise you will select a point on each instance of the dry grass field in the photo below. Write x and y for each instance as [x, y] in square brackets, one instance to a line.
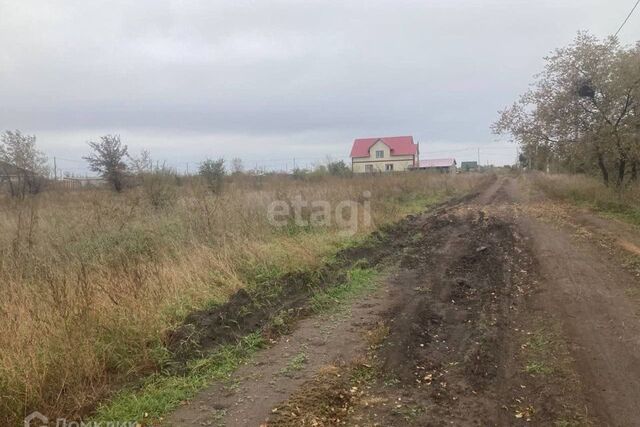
[591, 193]
[91, 281]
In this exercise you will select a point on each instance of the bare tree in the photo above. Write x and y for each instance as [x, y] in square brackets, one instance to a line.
[142, 163]
[236, 166]
[108, 159]
[22, 165]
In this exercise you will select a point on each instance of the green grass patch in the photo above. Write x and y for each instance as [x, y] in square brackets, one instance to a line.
[540, 349]
[409, 413]
[614, 209]
[626, 213]
[296, 364]
[359, 281]
[162, 393]
[363, 375]
[538, 368]
[414, 203]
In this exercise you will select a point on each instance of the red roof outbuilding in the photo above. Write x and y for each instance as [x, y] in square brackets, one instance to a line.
[399, 146]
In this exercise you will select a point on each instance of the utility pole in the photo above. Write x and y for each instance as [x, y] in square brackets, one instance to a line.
[478, 156]
[187, 168]
[294, 163]
[55, 169]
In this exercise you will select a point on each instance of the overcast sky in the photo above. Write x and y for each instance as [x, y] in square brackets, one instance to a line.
[268, 81]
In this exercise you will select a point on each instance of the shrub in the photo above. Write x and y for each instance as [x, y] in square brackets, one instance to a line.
[213, 172]
[160, 187]
[339, 168]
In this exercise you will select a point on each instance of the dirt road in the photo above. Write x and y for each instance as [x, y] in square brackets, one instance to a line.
[490, 311]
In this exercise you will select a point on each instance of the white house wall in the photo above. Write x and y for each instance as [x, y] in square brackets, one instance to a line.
[400, 163]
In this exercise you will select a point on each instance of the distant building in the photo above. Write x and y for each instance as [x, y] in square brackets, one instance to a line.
[19, 180]
[86, 181]
[468, 166]
[438, 165]
[11, 172]
[384, 154]
[15, 174]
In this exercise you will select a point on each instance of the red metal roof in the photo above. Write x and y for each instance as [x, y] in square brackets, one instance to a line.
[399, 145]
[437, 163]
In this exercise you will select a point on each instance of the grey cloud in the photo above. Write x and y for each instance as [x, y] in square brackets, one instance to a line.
[438, 69]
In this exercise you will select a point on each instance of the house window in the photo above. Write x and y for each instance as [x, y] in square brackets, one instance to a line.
[368, 168]
[388, 167]
[379, 154]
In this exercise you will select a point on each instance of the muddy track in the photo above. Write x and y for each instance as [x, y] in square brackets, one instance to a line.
[446, 336]
[451, 356]
[488, 316]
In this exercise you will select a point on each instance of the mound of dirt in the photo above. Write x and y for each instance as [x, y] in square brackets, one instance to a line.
[249, 310]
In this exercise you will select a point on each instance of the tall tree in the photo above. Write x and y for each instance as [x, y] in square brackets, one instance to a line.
[108, 159]
[582, 110]
[22, 165]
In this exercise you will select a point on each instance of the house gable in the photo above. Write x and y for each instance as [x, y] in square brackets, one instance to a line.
[379, 145]
[398, 146]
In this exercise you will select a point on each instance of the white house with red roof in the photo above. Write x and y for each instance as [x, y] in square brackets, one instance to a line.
[384, 154]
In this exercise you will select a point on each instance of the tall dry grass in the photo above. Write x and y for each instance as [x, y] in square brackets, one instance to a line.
[592, 193]
[90, 281]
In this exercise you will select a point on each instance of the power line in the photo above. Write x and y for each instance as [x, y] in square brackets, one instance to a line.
[627, 18]
[71, 160]
[459, 150]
